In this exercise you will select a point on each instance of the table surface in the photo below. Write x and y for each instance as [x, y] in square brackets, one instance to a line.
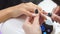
[14, 25]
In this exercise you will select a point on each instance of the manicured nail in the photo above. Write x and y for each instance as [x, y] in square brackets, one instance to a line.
[36, 11]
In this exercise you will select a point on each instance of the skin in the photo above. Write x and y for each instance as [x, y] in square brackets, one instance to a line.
[27, 9]
[56, 14]
[32, 28]
[18, 10]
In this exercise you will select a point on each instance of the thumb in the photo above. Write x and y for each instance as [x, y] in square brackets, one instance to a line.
[36, 20]
[27, 20]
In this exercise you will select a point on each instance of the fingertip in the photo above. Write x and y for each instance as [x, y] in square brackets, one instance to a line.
[36, 19]
[27, 19]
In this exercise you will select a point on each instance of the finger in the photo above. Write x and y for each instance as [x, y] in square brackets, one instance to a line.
[38, 7]
[31, 6]
[56, 10]
[34, 5]
[27, 20]
[42, 15]
[56, 18]
[29, 14]
[41, 18]
[28, 7]
[36, 20]
[27, 23]
[44, 12]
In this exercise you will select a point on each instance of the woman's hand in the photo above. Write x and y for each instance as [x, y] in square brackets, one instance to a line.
[32, 27]
[25, 8]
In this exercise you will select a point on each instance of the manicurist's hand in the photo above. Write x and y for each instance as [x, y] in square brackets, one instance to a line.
[57, 10]
[32, 26]
[56, 14]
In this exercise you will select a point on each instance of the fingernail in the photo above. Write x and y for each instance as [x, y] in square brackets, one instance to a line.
[36, 11]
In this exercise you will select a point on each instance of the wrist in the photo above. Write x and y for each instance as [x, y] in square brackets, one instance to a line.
[4, 15]
[16, 12]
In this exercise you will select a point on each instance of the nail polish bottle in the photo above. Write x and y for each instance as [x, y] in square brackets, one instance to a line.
[47, 26]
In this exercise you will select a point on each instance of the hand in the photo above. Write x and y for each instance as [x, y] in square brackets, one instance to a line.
[56, 14]
[56, 18]
[25, 8]
[57, 11]
[32, 27]
[42, 18]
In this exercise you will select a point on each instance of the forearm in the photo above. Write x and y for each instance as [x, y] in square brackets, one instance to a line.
[6, 13]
